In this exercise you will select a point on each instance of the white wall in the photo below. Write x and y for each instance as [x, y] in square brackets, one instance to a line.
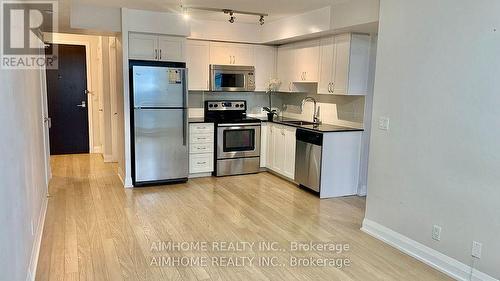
[23, 183]
[438, 79]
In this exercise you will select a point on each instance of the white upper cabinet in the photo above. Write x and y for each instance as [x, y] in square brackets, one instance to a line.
[306, 61]
[285, 68]
[327, 49]
[344, 64]
[197, 61]
[265, 66]
[143, 47]
[171, 48]
[341, 64]
[231, 54]
[156, 47]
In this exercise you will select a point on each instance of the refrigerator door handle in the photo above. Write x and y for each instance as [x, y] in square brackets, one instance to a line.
[185, 126]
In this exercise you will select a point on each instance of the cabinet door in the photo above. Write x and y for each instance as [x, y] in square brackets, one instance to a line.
[279, 149]
[220, 53]
[359, 64]
[197, 61]
[341, 62]
[242, 54]
[270, 146]
[306, 61]
[263, 144]
[143, 47]
[286, 65]
[289, 165]
[171, 48]
[265, 66]
[327, 48]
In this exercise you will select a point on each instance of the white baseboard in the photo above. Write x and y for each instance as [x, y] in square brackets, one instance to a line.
[127, 182]
[96, 149]
[199, 175]
[429, 256]
[108, 158]
[35, 250]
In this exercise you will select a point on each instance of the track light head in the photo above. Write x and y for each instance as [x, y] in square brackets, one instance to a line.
[231, 17]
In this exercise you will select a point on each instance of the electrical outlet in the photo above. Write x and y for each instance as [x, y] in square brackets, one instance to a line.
[476, 249]
[383, 123]
[436, 232]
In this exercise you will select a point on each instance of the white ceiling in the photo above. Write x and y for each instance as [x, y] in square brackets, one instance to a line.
[275, 8]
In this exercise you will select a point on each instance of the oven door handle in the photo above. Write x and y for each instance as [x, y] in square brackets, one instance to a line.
[238, 124]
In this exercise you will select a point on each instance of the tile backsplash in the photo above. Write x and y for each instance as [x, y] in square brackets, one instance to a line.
[334, 109]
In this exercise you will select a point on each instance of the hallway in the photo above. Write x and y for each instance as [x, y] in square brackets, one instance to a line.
[96, 230]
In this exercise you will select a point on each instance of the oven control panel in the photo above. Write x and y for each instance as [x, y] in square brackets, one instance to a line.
[226, 105]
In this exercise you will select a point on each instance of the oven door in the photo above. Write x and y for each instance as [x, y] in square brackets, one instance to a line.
[238, 140]
[228, 81]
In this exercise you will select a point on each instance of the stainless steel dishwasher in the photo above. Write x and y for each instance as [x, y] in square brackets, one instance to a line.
[308, 159]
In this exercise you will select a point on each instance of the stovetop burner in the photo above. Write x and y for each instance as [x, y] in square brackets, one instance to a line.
[227, 111]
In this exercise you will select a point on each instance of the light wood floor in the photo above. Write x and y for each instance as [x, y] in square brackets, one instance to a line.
[97, 230]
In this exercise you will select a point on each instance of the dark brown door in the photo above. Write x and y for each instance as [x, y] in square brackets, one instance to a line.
[67, 101]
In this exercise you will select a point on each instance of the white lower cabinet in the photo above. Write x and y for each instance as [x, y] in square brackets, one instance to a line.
[280, 150]
[201, 148]
[201, 163]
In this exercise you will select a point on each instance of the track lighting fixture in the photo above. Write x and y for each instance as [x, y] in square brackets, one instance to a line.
[231, 13]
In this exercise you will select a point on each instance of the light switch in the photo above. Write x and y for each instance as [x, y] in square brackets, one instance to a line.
[383, 123]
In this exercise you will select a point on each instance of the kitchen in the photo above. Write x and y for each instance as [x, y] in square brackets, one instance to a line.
[172, 129]
[230, 84]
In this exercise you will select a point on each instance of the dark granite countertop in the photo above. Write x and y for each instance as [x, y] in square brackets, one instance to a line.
[196, 120]
[323, 128]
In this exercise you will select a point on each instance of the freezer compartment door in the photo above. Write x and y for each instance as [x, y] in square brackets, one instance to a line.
[161, 146]
[159, 87]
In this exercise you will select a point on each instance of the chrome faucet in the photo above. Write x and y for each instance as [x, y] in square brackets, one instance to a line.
[316, 111]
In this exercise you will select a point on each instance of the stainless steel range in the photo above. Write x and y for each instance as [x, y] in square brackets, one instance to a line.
[237, 137]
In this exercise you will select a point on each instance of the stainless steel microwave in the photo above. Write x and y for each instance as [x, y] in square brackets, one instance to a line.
[232, 78]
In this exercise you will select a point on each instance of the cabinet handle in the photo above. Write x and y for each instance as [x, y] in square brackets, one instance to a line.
[156, 54]
[333, 87]
[290, 86]
[201, 163]
[330, 87]
[160, 53]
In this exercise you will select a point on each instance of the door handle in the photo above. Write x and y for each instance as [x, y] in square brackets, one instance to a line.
[48, 121]
[83, 104]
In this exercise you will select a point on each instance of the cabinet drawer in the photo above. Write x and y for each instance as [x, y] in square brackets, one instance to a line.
[201, 128]
[201, 138]
[201, 163]
[195, 148]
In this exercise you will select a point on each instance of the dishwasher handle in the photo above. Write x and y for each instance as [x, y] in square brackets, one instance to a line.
[309, 137]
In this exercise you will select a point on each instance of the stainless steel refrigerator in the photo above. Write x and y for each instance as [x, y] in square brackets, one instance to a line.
[160, 123]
